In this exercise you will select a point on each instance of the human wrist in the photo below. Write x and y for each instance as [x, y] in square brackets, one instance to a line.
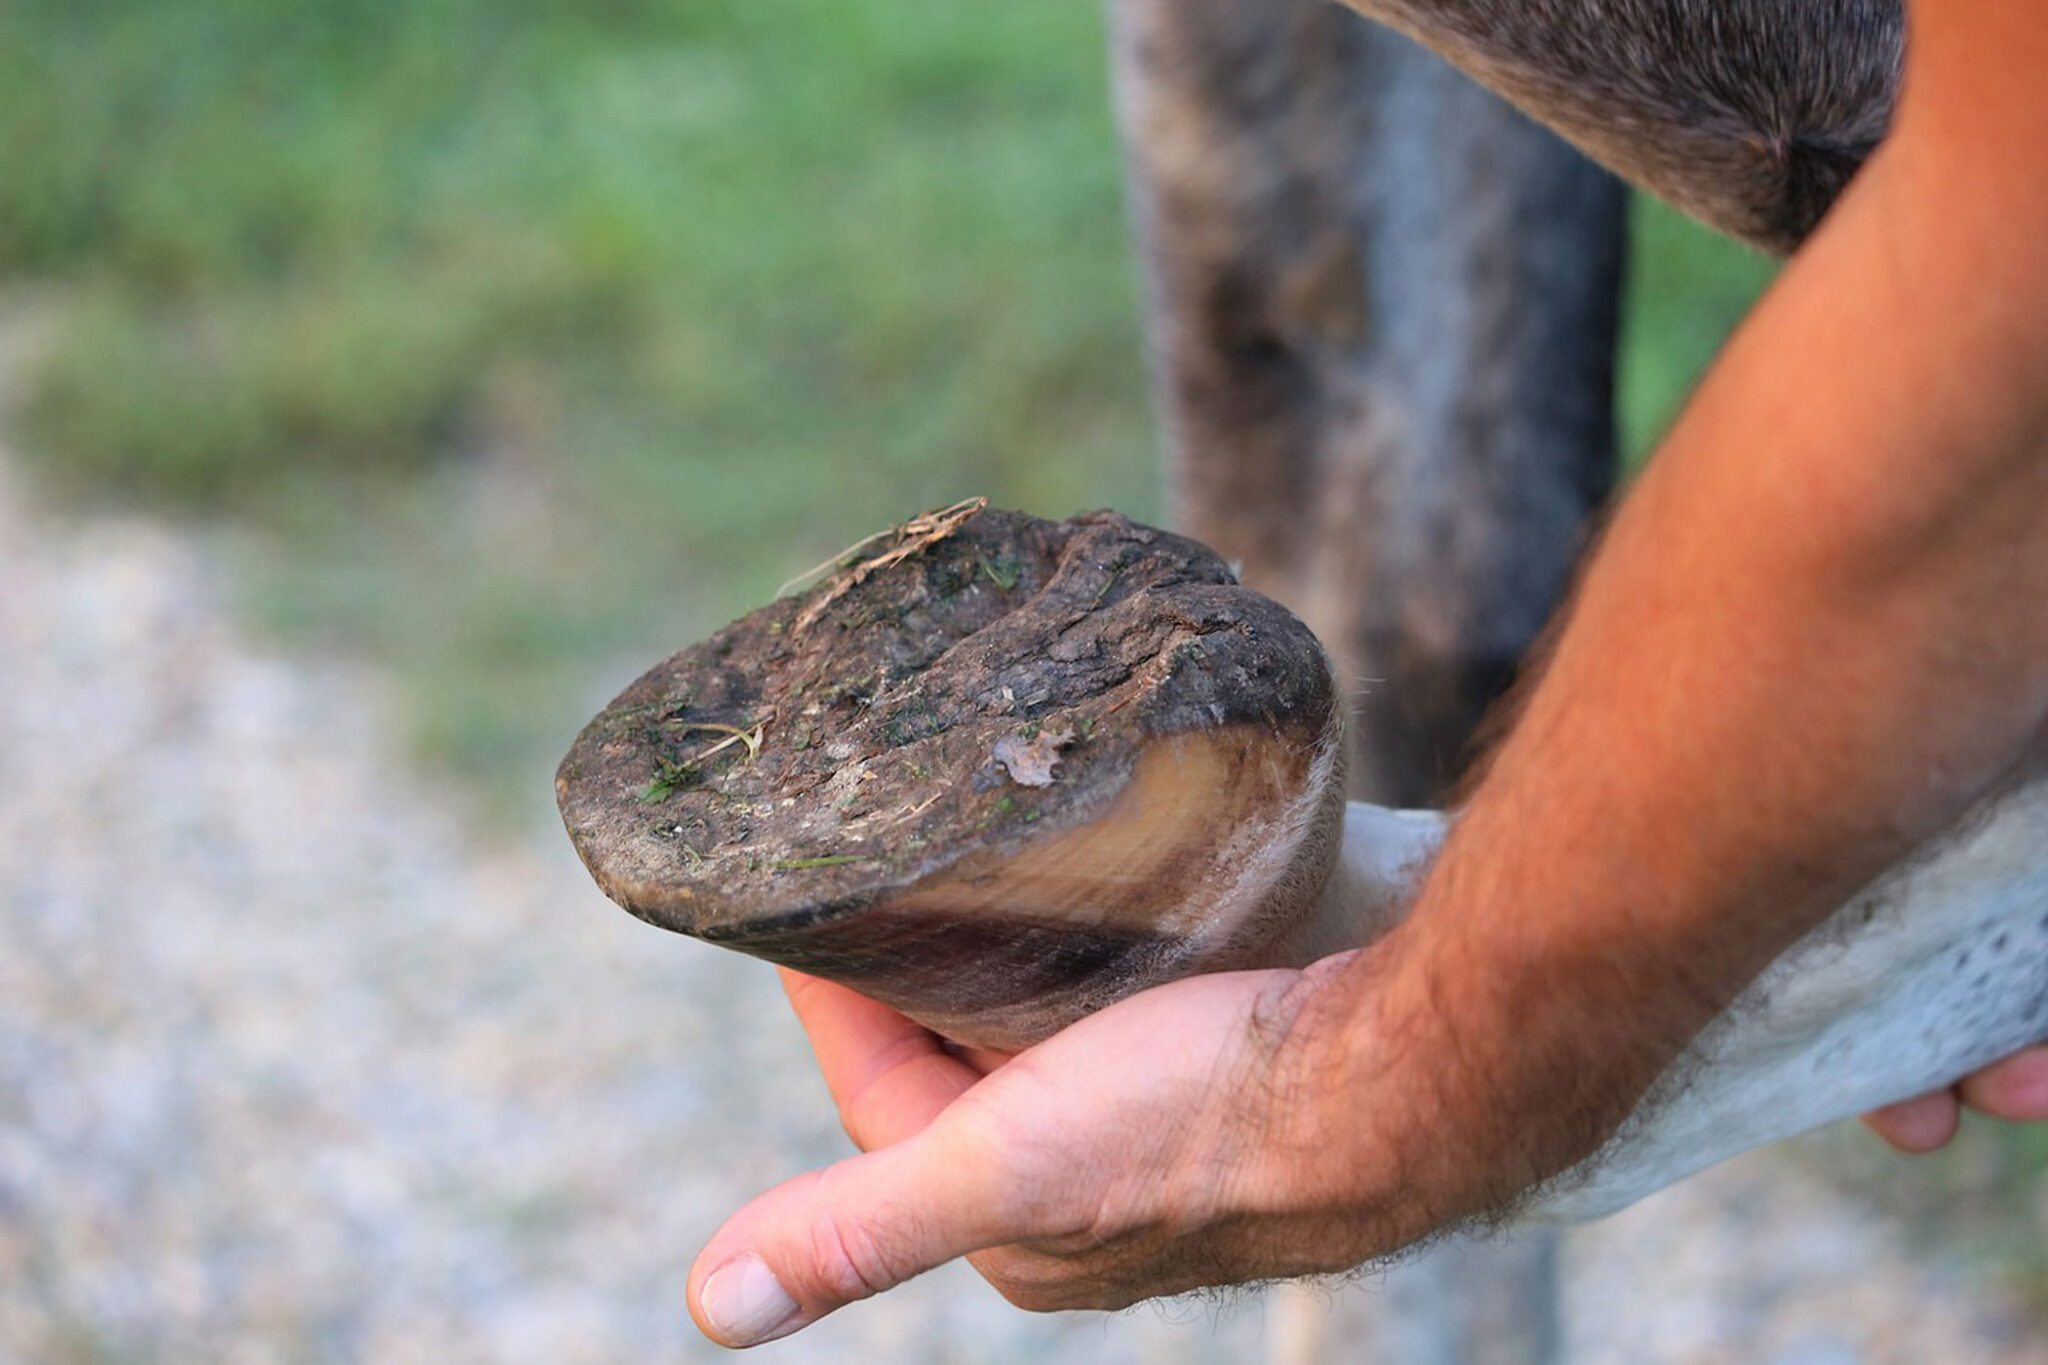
[1486, 1045]
[1384, 1099]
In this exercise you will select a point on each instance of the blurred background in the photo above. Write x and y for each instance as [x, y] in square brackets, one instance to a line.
[381, 387]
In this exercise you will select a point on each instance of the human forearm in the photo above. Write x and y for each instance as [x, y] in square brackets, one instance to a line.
[1804, 645]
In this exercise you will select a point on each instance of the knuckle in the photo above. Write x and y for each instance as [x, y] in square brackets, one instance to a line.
[1091, 1284]
[851, 1263]
[1031, 1298]
[860, 1245]
[1039, 1284]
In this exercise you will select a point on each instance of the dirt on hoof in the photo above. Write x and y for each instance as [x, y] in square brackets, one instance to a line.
[994, 770]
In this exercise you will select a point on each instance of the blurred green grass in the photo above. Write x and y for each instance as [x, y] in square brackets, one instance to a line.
[1686, 290]
[513, 336]
[715, 288]
[313, 235]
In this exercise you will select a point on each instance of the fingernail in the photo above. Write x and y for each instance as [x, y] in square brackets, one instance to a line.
[746, 1304]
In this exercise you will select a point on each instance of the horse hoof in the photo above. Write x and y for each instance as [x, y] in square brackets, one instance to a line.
[994, 771]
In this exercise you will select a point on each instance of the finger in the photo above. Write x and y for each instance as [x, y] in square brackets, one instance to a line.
[1921, 1124]
[889, 1076]
[821, 1241]
[2015, 1088]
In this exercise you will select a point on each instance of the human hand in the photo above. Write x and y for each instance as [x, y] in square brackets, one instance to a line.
[1151, 1148]
[2015, 1088]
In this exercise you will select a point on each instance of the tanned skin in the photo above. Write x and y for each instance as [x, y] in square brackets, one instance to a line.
[1811, 636]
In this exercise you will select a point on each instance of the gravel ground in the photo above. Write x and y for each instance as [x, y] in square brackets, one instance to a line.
[293, 1066]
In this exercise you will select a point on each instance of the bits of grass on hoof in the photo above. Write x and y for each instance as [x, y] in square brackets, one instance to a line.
[992, 770]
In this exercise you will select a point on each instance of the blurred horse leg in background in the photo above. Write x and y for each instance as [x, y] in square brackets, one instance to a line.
[1382, 312]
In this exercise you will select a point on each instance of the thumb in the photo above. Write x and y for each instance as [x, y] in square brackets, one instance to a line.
[824, 1240]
